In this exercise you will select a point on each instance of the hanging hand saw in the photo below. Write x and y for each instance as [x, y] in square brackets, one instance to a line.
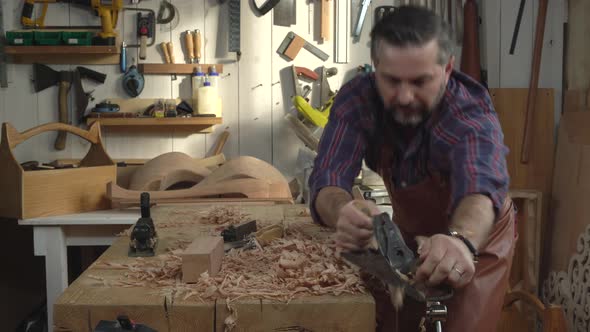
[234, 28]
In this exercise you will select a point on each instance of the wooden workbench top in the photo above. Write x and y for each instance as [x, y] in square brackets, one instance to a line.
[94, 296]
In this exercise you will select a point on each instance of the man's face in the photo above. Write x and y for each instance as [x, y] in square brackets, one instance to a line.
[410, 80]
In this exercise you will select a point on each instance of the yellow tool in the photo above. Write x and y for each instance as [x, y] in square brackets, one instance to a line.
[108, 11]
[317, 117]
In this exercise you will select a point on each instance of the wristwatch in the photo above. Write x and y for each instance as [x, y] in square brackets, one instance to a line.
[468, 243]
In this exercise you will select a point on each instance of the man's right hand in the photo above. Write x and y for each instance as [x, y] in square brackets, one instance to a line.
[354, 227]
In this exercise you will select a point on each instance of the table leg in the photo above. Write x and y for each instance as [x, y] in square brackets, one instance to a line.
[50, 241]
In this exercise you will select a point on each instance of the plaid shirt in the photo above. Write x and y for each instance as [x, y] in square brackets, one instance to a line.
[462, 141]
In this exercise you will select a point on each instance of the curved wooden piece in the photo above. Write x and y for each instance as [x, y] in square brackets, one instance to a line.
[247, 167]
[249, 188]
[151, 174]
[185, 177]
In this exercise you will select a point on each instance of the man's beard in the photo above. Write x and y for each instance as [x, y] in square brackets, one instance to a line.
[416, 114]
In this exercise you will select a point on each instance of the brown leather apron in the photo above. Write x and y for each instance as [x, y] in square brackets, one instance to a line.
[421, 209]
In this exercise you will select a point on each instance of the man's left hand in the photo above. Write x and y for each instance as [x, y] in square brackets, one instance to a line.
[444, 259]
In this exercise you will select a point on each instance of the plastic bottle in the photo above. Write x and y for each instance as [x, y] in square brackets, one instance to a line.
[207, 99]
[197, 81]
[214, 77]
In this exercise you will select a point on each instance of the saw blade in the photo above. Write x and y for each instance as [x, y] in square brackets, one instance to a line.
[234, 26]
[3, 74]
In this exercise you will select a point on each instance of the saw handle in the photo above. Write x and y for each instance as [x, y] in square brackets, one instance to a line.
[143, 47]
[64, 89]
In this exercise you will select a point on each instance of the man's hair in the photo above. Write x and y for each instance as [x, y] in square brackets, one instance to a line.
[412, 26]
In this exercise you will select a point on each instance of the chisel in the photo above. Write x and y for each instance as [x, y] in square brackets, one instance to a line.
[197, 44]
[188, 39]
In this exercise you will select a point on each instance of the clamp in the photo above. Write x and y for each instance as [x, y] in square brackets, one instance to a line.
[436, 314]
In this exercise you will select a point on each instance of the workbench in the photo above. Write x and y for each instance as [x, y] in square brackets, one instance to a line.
[90, 298]
[52, 236]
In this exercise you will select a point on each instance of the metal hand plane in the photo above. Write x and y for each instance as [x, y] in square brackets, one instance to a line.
[394, 263]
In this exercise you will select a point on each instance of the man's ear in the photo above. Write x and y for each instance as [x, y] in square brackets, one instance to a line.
[449, 67]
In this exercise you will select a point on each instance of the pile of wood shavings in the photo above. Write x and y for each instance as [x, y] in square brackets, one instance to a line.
[294, 266]
[224, 216]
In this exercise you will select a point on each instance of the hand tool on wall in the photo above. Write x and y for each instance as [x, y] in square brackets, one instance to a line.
[318, 117]
[284, 12]
[188, 43]
[165, 52]
[326, 92]
[292, 44]
[197, 44]
[144, 238]
[133, 82]
[123, 59]
[325, 20]
[534, 82]
[45, 77]
[470, 61]
[3, 74]
[302, 72]
[361, 18]
[266, 6]
[108, 11]
[395, 264]
[234, 28]
[145, 30]
[82, 97]
[170, 48]
[517, 26]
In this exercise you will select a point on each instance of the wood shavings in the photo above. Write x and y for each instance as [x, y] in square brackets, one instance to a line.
[224, 216]
[297, 265]
[230, 321]
[396, 294]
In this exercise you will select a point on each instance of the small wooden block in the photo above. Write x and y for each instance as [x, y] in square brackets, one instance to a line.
[294, 47]
[203, 254]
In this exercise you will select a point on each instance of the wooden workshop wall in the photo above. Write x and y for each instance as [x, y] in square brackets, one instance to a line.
[254, 103]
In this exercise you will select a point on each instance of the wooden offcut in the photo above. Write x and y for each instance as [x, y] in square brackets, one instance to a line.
[29, 194]
[204, 254]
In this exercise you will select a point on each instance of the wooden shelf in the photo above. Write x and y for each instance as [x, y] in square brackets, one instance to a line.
[176, 68]
[64, 54]
[199, 124]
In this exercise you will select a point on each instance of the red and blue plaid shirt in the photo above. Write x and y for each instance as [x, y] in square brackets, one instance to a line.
[462, 141]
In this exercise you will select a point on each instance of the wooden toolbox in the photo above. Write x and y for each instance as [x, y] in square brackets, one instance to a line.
[41, 193]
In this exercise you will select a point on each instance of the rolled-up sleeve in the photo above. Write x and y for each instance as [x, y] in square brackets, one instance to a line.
[478, 161]
[340, 151]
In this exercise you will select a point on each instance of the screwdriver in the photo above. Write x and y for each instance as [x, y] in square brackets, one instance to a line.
[171, 54]
[197, 43]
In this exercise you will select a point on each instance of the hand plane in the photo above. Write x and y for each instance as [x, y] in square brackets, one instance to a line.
[144, 238]
[395, 264]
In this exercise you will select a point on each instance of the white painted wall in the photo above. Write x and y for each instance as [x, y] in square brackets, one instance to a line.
[253, 103]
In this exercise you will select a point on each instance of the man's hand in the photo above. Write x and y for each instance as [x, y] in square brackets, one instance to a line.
[354, 227]
[444, 259]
